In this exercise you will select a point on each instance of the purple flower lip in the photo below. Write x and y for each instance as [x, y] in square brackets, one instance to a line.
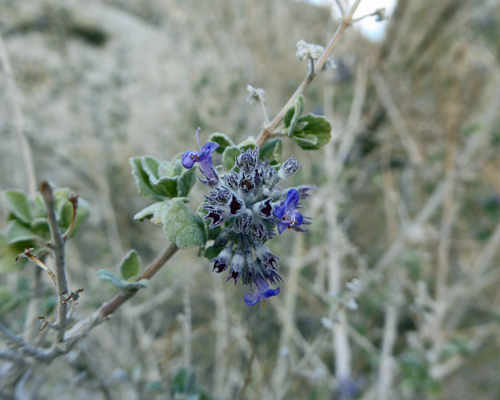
[261, 294]
[288, 213]
[204, 157]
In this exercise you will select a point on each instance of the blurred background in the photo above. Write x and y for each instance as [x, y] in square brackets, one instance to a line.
[407, 213]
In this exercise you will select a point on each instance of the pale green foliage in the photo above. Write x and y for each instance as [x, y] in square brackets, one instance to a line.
[182, 227]
[311, 132]
[161, 180]
[121, 284]
[130, 266]
[222, 140]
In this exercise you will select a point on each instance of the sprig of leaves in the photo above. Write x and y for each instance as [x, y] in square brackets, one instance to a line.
[130, 268]
[311, 132]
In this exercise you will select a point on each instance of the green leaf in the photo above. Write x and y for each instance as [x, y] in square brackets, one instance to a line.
[229, 157]
[222, 140]
[165, 169]
[130, 266]
[293, 114]
[273, 151]
[142, 180]
[17, 232]
[166, 186]
[19, 206]
[150, 166]
[186, 182]
[82, 213]
[249, 143]
[106, 275]
[183, 227]
[315, 134]
[40, 227]
[178, 167]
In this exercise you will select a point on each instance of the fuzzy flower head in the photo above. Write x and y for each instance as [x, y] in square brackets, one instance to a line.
[204, 157]
[308, 50]
[248, 204]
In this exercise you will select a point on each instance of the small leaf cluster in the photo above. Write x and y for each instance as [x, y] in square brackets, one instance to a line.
[28, 225]
[169, 183]
[130, 268]
[162, 180]
[311, 132]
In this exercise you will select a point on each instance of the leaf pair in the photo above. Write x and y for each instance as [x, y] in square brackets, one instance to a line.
[311, 132]
[130, 268]
[161, 180]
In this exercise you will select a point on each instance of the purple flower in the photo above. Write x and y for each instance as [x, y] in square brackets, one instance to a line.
[288, 213]
[261, 294]
[204, 157]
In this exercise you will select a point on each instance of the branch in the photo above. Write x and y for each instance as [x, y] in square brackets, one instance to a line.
[83, 327]
[267, 131]
[57, 246]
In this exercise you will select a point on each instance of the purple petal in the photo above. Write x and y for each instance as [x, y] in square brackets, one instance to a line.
[207, 168]
[261, 284]
[279, 212]
[282, 225]
[188, 160]
[270, 293]
[209, 148]
[298, 218]
[251, 299]
[292, 199]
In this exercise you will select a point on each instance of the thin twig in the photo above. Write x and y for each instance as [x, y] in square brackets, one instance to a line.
[57, 246]
[268, 130]
[73, 199]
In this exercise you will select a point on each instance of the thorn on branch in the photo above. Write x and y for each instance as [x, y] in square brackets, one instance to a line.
[28, 254]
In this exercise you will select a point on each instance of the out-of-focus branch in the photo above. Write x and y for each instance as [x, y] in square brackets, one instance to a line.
[397, 119]
[19, 120]
[57, 246]
[346, 21]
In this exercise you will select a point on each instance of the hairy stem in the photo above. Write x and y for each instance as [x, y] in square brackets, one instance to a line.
[268, 130]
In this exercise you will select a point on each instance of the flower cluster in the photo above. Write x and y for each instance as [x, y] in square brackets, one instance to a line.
[248, 204]
[308, 50]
